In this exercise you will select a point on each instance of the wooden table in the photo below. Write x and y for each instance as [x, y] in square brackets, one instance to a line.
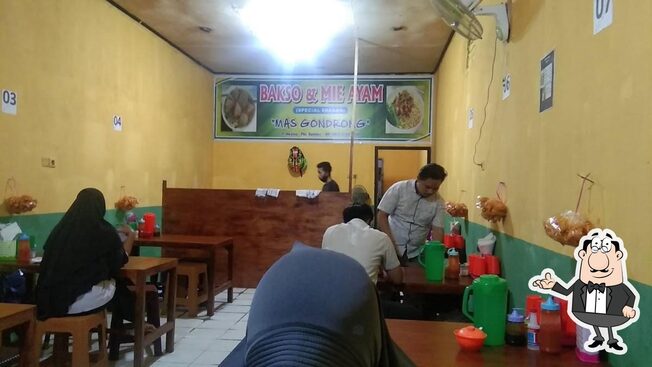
[208, 243]
[138, 269]
[414, 281]
[432, 343]
[13, 315]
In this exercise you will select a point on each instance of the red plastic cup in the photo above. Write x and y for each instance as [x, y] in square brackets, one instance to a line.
[477, 265]
[449, 241]
[493, 264]
[458, 241]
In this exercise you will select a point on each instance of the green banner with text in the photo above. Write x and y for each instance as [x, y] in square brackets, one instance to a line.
[387, 108]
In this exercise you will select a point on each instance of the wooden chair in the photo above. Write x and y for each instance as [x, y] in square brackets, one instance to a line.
[79, 327]
[191, 296]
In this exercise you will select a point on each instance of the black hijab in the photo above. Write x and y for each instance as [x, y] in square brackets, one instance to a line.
[316, 308]
[82, 250]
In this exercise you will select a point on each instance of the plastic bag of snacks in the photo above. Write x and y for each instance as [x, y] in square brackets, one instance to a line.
[493, 209]
[14, 203]
[457, 210]
[126, 203]
[20, 204]
[567, 228]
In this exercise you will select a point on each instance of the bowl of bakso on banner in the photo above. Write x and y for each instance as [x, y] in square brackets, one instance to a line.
[239, 108]
[405, 109]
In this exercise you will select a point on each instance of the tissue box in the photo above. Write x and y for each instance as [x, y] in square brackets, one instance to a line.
[7, 250]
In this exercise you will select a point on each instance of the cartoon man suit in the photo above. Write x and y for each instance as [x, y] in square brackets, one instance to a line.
[601, 294]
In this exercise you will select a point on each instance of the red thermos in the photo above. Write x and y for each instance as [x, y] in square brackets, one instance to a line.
[150, 223]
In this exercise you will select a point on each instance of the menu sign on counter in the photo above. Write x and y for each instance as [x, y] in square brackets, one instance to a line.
[396, 109]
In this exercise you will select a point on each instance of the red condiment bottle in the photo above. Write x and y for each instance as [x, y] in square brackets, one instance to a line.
[453, 268]
[24, 251]
[550, 332]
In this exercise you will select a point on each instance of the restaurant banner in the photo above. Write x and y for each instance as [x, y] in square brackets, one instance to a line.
[394, 109]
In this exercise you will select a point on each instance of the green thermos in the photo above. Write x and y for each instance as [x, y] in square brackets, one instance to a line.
[433, 252]
[489, 305]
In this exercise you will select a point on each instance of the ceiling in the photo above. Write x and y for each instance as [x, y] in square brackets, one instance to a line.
[395, 36]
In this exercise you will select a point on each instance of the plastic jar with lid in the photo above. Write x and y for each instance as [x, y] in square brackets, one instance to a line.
[515, 332]
[550, 332]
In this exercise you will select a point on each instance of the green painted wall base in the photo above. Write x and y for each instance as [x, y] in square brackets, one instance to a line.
[40, 225]
[521, 260]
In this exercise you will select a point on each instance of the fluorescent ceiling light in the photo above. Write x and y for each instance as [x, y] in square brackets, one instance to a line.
[296, 30]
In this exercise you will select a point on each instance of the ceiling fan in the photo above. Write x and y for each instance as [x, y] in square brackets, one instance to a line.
[461, 16]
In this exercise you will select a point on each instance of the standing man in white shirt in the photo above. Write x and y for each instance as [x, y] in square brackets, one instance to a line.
[412, 208]
[369, 247]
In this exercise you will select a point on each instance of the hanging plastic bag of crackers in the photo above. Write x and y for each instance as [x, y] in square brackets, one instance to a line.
[493, 209]
[570, 226]
[17, 204]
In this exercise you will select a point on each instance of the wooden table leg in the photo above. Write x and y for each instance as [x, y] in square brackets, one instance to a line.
[139, 321]
[172, 290]
[27, 343]
[210, 267]
[229, 292]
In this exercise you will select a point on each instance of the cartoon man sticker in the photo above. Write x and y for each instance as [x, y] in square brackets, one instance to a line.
[602, 297]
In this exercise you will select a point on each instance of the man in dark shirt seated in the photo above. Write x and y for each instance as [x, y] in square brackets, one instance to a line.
[324, 171]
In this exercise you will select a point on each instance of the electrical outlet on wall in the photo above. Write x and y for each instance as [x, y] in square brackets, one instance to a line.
[48, 162]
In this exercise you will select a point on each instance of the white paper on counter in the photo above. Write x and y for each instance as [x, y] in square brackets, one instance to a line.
[310, 194]
[9, 231]
[261, 193]
[273, 192]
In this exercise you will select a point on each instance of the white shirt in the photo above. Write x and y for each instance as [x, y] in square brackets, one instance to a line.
[99, 295]
[596, 302]
[369, 247]
[411, 216]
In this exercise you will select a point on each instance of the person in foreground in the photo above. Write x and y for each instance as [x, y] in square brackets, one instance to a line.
[316, 307]
[81, 261]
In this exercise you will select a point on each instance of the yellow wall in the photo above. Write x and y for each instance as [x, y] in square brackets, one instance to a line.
[249, 165]
[600, 122]
[401, 165]
[75, 64]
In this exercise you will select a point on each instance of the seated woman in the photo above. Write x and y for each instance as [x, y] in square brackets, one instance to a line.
[81, 261]
[316, 308]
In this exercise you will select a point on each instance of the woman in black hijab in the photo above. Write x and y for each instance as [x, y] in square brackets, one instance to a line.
[313, 308]
[81, 254]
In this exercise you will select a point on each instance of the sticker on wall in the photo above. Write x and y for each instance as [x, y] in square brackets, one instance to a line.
[507, 86]
[297, 163]
[9, 102]
[603, 14]
[470, 118]
[547, 77]
[117, 123]
[611, 302]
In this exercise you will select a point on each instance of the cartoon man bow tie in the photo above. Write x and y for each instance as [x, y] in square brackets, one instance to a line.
[602, 297]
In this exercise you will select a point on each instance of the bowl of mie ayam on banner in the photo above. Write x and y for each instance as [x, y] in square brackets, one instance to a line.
[405, 109]
[239, 108]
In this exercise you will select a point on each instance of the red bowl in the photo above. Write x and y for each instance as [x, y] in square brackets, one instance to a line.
[470, 339]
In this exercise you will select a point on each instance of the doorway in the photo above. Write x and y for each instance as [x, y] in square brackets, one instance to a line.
[393, 164]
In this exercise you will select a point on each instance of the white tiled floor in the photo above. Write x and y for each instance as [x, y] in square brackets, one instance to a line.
[203, 341]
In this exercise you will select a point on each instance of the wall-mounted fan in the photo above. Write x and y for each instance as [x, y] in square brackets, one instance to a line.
[461, 16]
